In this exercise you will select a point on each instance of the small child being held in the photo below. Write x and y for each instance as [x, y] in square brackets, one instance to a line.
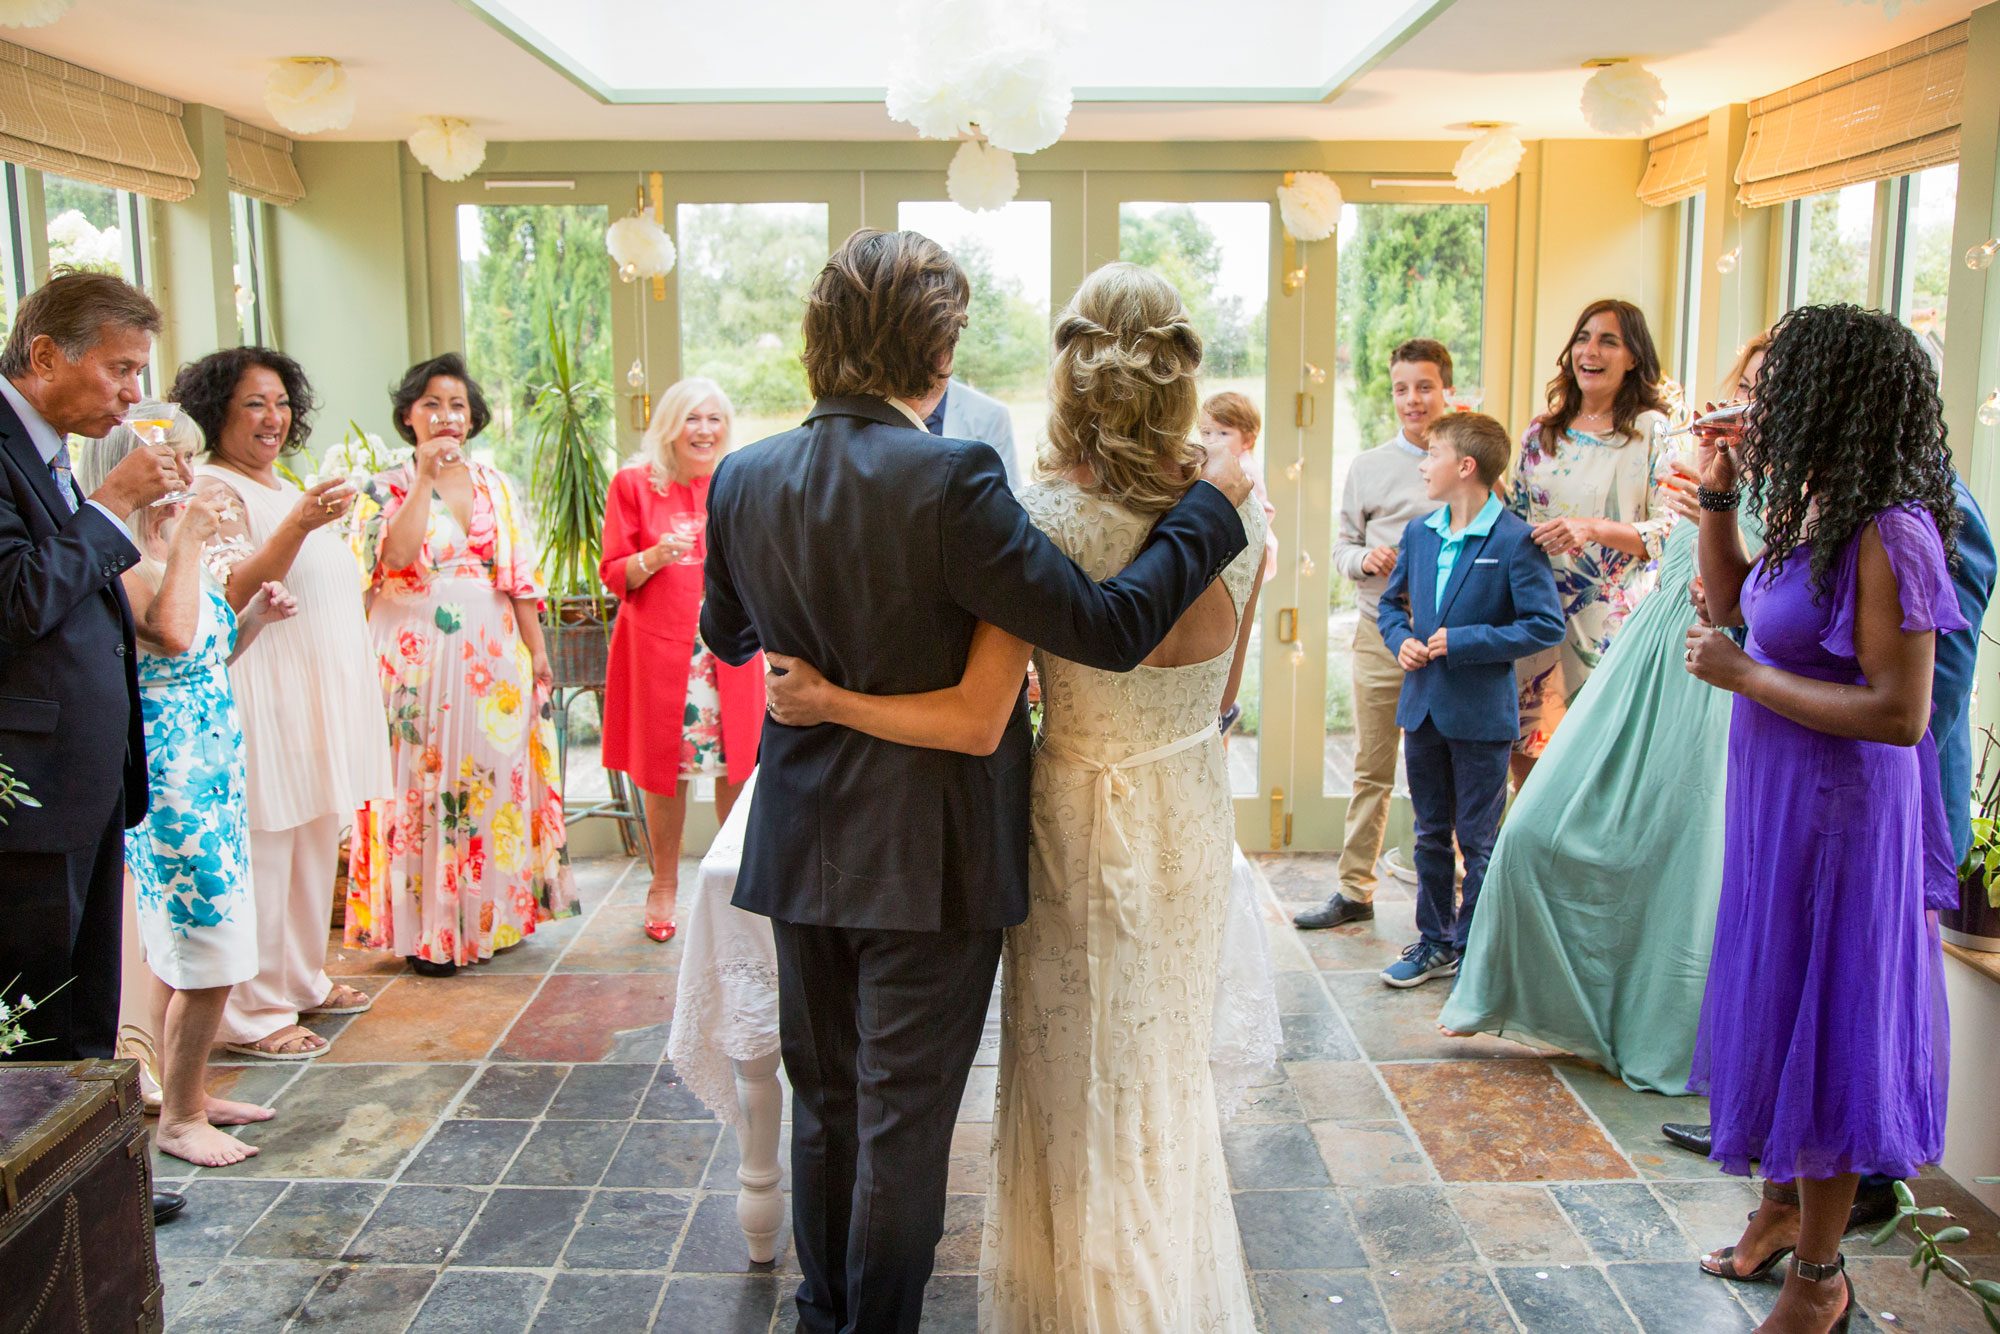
[1470, 593]
[1231, 421]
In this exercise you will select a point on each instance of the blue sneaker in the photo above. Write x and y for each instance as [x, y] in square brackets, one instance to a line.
[1420, 963]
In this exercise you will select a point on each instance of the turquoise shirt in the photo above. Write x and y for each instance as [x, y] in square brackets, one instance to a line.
[1440, 523]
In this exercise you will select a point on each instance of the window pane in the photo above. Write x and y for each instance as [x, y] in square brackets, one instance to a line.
[246, 235]
[1406, 271]
[1688, 316]
[1835, 230]
[744, 270]
[83, 225]
[520, 264]
[1219, 256]
[1926, 263]
[1004, 350]
[10, 261]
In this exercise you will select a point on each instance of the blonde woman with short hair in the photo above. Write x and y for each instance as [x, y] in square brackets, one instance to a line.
[660, 671]
[1110, 1205]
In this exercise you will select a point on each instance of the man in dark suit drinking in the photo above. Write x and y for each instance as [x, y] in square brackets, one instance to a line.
[871, 548]
[69, 706]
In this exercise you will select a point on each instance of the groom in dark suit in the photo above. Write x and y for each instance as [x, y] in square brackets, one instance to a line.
[69, 692]
[871, 548]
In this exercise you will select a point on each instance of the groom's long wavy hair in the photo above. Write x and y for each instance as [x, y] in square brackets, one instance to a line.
[1122, 399]
[883, 317]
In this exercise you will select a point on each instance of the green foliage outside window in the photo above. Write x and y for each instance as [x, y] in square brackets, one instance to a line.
[1176, 244]
[540, 264]
[1836, 260]
[1409, 271]
[1005, 347]
[744, 270]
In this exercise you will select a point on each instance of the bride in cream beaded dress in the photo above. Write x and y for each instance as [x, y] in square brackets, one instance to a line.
[1109, 1207]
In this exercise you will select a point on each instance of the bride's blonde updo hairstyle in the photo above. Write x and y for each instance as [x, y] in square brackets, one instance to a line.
[1122, 398]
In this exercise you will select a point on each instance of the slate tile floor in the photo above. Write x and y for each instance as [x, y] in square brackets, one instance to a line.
[507, 1151]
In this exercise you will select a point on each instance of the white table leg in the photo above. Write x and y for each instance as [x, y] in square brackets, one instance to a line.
[760, 1206]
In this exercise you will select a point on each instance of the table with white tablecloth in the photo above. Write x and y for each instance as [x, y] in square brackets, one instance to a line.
[724, 1040]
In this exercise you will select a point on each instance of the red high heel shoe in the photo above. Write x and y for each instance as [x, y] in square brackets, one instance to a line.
[660, 931]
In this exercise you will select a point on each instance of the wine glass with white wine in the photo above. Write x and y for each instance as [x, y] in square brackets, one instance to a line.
[153, 430]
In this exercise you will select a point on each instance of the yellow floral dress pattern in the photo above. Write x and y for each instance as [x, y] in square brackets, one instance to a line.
[471, 856]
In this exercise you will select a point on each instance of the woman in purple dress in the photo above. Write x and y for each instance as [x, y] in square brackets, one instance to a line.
[1822, 1041]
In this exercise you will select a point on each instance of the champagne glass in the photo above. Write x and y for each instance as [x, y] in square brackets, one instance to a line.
[441, 420]
[153, 430]
[690, 526]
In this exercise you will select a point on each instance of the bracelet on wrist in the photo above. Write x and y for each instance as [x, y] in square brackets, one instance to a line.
[1718, 502]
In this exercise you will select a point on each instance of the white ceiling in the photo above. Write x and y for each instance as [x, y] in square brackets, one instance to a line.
[1510, 60]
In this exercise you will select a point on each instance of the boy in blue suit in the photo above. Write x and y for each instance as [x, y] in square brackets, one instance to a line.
[1471, 592]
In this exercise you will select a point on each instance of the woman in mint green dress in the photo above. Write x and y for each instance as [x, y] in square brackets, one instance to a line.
[1598, 912]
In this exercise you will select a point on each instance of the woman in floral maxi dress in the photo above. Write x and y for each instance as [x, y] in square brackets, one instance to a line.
[470, 858]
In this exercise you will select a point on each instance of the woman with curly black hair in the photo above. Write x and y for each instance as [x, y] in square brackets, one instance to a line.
[1822, 1038]
[311, 709]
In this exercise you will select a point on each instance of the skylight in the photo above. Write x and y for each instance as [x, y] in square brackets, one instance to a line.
[664, 51]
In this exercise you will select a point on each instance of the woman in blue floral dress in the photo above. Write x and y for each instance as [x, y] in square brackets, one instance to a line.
[189, 859]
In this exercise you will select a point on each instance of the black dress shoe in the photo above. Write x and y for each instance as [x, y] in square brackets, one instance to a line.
[425, 968]
[1694, 1138]
[1873, 1206]
[166, 1204]
[1336, 911]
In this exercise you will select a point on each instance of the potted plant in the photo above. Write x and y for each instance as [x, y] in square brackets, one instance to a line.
[1975, 923]
[568, 488]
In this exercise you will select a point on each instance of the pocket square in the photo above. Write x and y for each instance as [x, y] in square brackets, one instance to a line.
[1486, 560]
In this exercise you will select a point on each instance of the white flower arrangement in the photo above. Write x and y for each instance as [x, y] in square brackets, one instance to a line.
[14, 1033]
[75, 241]
[1309, 204]
[981, 177]
[1623, 100]
[640, 247]
[356, 457]
[33, 13]
[308, 94]
[984, 68]
[1489, 161]
[448, 147]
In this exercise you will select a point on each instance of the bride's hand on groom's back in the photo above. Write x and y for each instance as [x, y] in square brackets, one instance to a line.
[1224, 470]
[794, 691]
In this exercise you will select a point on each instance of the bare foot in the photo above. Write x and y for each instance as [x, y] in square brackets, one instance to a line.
[1452, 1032]
[201, 1144]
[223, 1112]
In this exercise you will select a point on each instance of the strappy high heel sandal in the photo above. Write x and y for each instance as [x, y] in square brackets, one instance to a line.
[1722, 1263]
[134, 1044]
[1813, 1273]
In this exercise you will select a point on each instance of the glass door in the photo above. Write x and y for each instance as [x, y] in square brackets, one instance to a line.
[1406, 263]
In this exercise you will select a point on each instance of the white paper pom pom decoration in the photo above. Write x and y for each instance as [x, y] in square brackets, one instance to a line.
[33, 13]
[307, 94]
[640, 246]
[1623, 100]
[448, 147]
[1023, 101]
[1489, 161]
[1309, 206]
[986, 68]
[981, 177]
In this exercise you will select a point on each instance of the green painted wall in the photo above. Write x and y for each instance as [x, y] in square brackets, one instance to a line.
[341, 263]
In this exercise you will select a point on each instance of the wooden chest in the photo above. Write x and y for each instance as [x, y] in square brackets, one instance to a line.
[76, 1215]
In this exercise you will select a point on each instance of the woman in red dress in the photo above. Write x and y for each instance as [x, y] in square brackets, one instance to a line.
[660, 670]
